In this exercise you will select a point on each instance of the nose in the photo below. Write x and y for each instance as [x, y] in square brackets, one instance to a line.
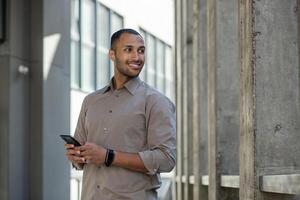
[134, 55]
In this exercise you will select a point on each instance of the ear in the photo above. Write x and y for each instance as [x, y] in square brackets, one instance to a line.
[112, 55]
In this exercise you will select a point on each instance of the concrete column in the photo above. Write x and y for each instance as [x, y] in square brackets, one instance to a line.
[227, 93]
[34, 103]
[203, 98]
[223, 95]
[269, 93]
[184, 100]
[50, 97]
[14, 117]
[199, 49]
[214, 179]
[188, 96]
[178, 62]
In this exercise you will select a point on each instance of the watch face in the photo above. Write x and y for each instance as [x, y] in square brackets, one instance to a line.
[109, 158]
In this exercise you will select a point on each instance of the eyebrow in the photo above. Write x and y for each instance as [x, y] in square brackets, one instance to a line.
[126, 46]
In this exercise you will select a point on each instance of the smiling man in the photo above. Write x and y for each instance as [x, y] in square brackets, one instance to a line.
[127, 130]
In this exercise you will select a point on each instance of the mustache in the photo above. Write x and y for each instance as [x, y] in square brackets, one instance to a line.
[138, 62]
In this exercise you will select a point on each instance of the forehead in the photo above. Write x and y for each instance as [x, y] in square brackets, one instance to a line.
[130, 39]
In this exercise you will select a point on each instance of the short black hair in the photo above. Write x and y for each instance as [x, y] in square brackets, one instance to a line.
[116, 35]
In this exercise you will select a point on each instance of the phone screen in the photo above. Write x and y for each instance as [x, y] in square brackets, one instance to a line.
[70, 140]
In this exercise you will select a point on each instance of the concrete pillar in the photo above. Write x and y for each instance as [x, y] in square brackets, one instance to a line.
[203, 97]
[199, 98]
[50, 97]
[227, 94]
[269, 140]
[188, 96]
[179, 89]
[214, 180]
[35, 103]
[184, 101]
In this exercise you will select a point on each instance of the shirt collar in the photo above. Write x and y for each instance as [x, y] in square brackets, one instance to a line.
[131, 85]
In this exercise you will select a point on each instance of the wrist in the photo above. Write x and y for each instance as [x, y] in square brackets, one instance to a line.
[109, 157]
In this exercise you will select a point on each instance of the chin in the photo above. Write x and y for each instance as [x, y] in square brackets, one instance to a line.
[133, 75]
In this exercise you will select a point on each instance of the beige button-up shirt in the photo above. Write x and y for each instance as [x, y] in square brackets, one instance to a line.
[134, 119]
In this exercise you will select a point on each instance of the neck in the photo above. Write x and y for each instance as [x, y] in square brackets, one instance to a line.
[119, 81]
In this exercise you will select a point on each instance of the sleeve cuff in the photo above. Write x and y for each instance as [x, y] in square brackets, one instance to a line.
[149, 162]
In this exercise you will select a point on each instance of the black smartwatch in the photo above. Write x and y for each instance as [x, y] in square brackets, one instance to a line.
[109, 158]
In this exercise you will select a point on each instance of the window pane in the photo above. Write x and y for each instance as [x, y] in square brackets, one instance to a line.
[116, 22]
[102, 70]
[150, 53]
[170, 75]
[75, 17]
[87, 69]
[143, 72]
[103, 27]
[74, 64]
[160, 54]
[88, 21]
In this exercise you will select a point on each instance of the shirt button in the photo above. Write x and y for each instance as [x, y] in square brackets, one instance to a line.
[98, 186]
[105, 130]
[110, 111]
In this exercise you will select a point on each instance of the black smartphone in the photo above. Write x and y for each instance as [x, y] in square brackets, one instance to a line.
[70, 140]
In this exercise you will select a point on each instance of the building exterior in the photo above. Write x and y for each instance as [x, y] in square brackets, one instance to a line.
[35, 99]
[44, 45]
[238, 99]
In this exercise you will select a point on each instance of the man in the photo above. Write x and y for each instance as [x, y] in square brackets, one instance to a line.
[127, 130]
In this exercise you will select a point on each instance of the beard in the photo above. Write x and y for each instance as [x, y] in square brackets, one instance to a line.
[125, 70]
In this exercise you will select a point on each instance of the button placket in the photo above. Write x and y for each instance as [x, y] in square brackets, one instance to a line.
[105, 130]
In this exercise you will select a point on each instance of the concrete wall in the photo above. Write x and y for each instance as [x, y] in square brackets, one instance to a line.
[246, 123]
[277, 88]
[34, 105]
[227, 92]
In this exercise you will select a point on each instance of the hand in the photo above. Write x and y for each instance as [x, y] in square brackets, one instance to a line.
[93, 153]
[73, 154]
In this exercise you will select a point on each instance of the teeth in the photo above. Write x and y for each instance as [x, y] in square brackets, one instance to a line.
[134, 65]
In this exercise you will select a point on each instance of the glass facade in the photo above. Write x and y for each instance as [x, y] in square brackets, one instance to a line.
[92, 25]
[159, 69]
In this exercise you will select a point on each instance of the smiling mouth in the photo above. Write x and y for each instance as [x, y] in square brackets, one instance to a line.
[135, 66]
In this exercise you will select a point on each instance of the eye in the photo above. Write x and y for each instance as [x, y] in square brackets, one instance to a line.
[141, 51]
[127, 49]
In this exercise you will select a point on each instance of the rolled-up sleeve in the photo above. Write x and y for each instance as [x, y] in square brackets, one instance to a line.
[161, 135]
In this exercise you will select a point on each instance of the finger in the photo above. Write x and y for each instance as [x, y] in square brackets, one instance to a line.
[86, 146]
[69, 146]
[88, 159]
[72, 158]
[82, 148]
[73, 152]
[79, 159]
[86, 153]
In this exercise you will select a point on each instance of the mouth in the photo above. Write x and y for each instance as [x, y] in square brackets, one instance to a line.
[135, 65]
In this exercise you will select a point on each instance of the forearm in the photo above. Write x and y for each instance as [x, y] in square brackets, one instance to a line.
[131, 161]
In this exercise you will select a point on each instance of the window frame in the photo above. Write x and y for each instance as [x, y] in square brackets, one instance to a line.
[77, 38]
